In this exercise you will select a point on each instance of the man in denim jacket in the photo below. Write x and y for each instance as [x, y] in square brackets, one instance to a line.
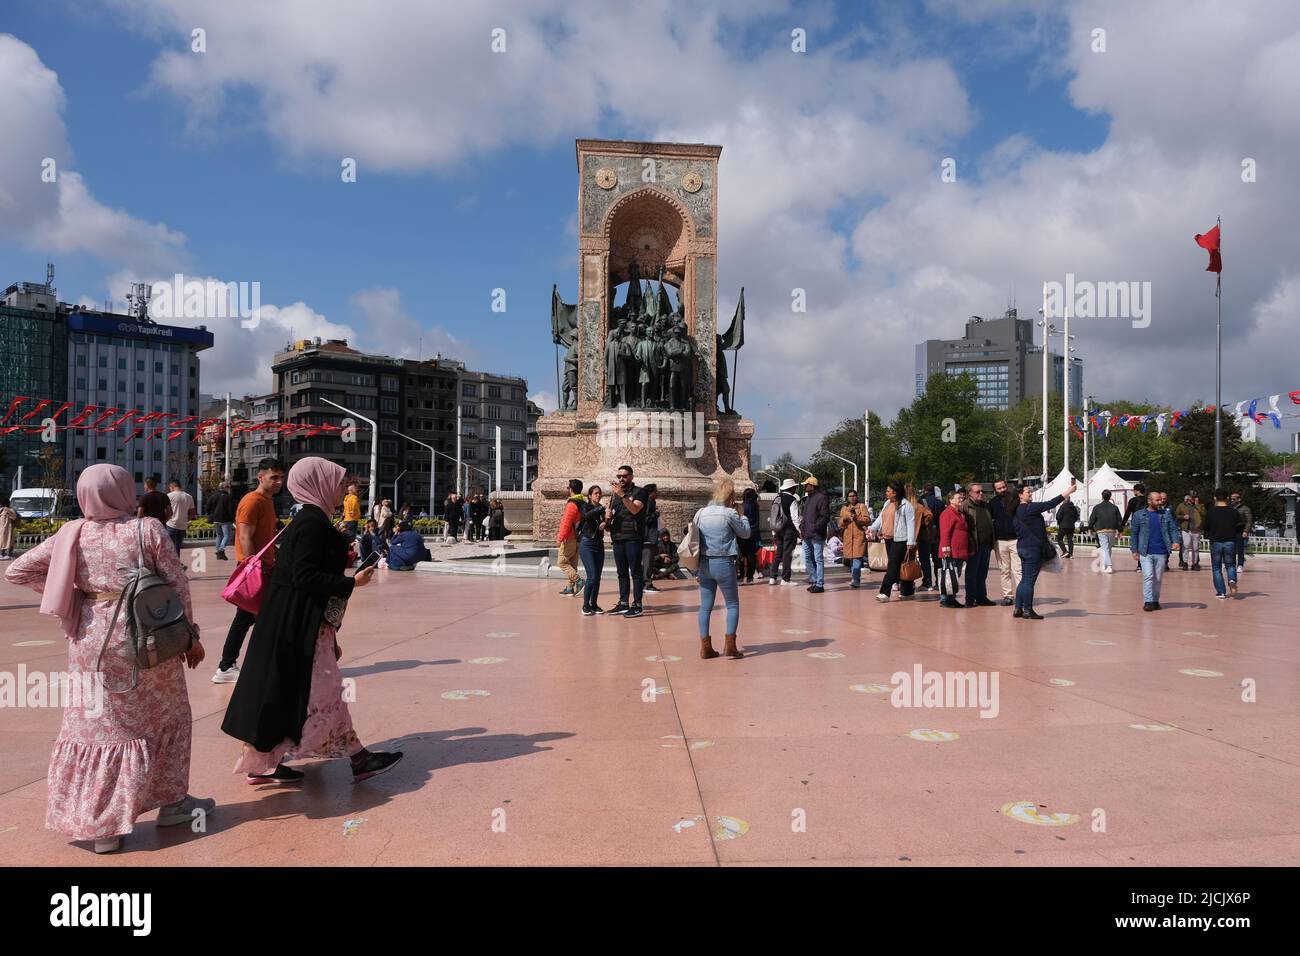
[1153, 537]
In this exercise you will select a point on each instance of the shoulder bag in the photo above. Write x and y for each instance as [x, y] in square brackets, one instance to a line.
[248, 582]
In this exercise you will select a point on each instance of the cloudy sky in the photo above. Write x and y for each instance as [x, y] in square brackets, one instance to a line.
[1069, 158]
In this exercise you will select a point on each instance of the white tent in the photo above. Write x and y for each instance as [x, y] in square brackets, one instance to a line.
[1054, 487]
[1104, 478]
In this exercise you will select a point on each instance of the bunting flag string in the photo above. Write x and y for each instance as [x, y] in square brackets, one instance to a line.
[166, 425]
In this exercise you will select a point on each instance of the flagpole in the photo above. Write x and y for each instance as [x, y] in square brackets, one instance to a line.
[1218, 365]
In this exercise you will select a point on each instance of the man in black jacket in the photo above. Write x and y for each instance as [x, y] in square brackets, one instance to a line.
[1002, 509]
[929, 551]
[1105, 522]
[982, 543]
[785, 532]
[816, 515]
[221, 509]
[1067, 516]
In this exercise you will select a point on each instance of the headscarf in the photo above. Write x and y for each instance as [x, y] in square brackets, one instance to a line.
[316, 481]
[105, 493]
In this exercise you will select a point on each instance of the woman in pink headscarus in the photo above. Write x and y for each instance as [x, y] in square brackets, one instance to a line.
[118, 755]
[288, 703]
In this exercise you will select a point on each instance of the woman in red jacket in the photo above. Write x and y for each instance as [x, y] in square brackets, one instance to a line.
[954, 548]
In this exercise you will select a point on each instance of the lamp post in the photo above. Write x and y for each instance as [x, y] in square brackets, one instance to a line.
[395, 481]
[847, 462]
[433, 468]
[866, 455]
[374, 448]
[1048, 330]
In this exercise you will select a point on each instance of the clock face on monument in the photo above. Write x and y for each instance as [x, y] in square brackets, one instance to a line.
[692, 182]
[606, 178]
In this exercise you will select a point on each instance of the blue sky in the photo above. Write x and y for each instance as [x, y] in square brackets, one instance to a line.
[472, 186]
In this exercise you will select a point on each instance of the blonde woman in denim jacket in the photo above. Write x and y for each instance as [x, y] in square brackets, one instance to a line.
[721, 522]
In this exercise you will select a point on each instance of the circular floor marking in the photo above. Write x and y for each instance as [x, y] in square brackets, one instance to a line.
[1100, 643]
[464, 694]
[660, 691]
[826, 655]
[1198, 634]
[1061, 682]
[1154, 727]
[934, 736]
[727, 828]
[871, 688]
[503, 634]
[487, 660]
[1200, 672]
[676, 741]
[32, 643]
[795, 630]
[1026, 812]
[663, 659]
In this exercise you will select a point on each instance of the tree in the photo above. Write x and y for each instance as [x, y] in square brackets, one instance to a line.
[847, 441]
[1187, 464]
[945, 436]
[50, 464]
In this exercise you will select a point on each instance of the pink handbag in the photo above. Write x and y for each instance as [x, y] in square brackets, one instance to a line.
[245, 587]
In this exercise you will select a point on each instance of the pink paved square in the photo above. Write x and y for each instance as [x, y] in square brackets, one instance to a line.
[535, 736]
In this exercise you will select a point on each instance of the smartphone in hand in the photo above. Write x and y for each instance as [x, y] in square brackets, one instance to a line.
[369, 562]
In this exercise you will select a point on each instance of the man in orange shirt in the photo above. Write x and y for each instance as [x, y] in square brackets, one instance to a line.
[255, 525]
[352, 510]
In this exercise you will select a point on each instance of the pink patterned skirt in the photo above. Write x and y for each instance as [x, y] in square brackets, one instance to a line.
[327, 731]
[133, 756]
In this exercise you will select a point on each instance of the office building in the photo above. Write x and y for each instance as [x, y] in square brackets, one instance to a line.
[34, 346]
[1002, 357]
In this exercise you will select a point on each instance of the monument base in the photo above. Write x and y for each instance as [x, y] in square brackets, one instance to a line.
[684, 470]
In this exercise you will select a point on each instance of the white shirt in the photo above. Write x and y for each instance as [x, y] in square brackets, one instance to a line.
[181, 505]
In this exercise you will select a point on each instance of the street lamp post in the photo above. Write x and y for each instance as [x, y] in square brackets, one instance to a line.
[1049, 329]
[374, 448]
[433, 468]
[395, 482]
[847, 462]
[866, 455]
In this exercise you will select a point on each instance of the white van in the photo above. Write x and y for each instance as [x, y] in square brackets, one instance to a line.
[44, 503]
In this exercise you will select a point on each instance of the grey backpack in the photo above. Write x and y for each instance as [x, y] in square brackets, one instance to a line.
[156, 627]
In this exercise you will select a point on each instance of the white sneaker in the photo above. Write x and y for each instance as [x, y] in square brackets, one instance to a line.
[1107, 570]
[882, 598]
[771, 582]
[227, 676]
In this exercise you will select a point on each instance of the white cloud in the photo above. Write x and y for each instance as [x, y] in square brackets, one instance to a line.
[546, 401]
[830, 169]
[391, 330]
[60, 217]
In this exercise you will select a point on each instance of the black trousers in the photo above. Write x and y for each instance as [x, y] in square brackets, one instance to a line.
[239, 628]
[931, 566]
[897, 552]
[786, 540]
[1066, 540]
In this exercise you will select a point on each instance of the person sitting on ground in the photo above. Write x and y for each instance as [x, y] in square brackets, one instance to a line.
[664, 562]
[372, 541]
[407, 549]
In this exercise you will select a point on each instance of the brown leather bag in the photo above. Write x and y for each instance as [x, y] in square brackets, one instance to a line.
[911, 570]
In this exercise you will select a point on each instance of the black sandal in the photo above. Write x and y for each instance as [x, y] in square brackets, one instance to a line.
[282, 774]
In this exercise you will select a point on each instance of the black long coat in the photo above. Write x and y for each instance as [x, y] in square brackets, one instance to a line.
[269, 703]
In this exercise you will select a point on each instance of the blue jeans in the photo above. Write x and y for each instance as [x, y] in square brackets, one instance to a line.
[1031, 562]
[814, 560]
[592, 553]
[855, 570]
[1104, 543]
[627, 559]
[178, 538]
[1223, 553]
[718, 573]
[977, 574]
[1153, 572]
[225, 534]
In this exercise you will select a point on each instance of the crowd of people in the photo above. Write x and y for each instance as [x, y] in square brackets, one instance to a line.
[133, 756]
[917, 541]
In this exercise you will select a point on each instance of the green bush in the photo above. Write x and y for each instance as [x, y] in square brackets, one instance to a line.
[428, 525]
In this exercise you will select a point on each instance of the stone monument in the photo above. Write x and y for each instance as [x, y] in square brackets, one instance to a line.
[642, 376]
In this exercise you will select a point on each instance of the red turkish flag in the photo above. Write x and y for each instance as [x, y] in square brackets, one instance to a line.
[1210, 241]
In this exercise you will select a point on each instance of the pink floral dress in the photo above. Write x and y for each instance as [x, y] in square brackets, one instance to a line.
[327, 731]
[134, 756]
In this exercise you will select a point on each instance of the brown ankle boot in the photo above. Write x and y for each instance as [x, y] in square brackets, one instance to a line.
[706, 648]
[730, 649]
